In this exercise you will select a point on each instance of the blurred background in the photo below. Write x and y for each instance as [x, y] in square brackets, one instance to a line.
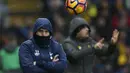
[18, 16]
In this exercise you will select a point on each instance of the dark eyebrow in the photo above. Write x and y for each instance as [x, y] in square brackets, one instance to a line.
[41, 29]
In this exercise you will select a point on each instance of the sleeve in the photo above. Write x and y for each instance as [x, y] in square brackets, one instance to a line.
[107, 50]
[26, 61]
[57, 67]
[72, 51]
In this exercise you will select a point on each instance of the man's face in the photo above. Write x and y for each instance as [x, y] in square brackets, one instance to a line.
[42, 32]
[83, 33]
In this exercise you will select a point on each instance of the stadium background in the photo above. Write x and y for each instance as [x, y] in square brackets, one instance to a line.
[18, 16]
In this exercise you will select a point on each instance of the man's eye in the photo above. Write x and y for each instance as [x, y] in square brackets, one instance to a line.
[46, 31]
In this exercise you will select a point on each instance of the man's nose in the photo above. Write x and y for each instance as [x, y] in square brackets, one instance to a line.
[43, 33]
[87, 29]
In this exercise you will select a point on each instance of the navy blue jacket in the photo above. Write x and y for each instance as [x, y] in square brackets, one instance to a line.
[36, 60]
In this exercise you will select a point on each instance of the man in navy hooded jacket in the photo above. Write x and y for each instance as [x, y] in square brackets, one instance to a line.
[41, 53]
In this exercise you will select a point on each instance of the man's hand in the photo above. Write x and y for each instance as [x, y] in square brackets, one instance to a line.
[99, 44]
[55, 59]
[115, 36]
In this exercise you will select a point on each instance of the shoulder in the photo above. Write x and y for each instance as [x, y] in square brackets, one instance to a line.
[91, 40]
[54, 42]
[68, 43]
[28, 42]
[68, 40]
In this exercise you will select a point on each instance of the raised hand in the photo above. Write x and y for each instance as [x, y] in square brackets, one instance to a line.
[99, 44]
[115, 36]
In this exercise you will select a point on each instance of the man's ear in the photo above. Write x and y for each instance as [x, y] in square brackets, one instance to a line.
[78, 34]
[35, 33]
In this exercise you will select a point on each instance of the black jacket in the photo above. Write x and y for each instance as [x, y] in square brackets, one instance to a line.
[81, 54]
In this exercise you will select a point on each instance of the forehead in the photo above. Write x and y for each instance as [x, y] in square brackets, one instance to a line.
[86, 28]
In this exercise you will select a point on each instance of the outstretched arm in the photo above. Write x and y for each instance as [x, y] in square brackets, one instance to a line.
[105, 49]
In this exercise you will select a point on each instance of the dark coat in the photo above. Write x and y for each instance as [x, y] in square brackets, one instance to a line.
[81, 54]
[34, 59]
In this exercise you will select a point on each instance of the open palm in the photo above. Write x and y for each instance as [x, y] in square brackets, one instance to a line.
[115, 36]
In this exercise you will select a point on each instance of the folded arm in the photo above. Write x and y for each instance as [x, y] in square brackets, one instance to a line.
[26, 61]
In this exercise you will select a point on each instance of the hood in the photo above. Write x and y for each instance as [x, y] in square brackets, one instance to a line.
[76, 22]
[44, 23]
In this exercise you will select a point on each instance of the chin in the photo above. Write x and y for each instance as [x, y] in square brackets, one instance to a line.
[87, 36]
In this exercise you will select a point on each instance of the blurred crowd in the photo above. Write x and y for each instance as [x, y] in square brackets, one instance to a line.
[103, 17]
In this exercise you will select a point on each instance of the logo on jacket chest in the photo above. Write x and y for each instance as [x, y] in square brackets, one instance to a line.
[87, 46]
[36, 53]
[79, 47]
